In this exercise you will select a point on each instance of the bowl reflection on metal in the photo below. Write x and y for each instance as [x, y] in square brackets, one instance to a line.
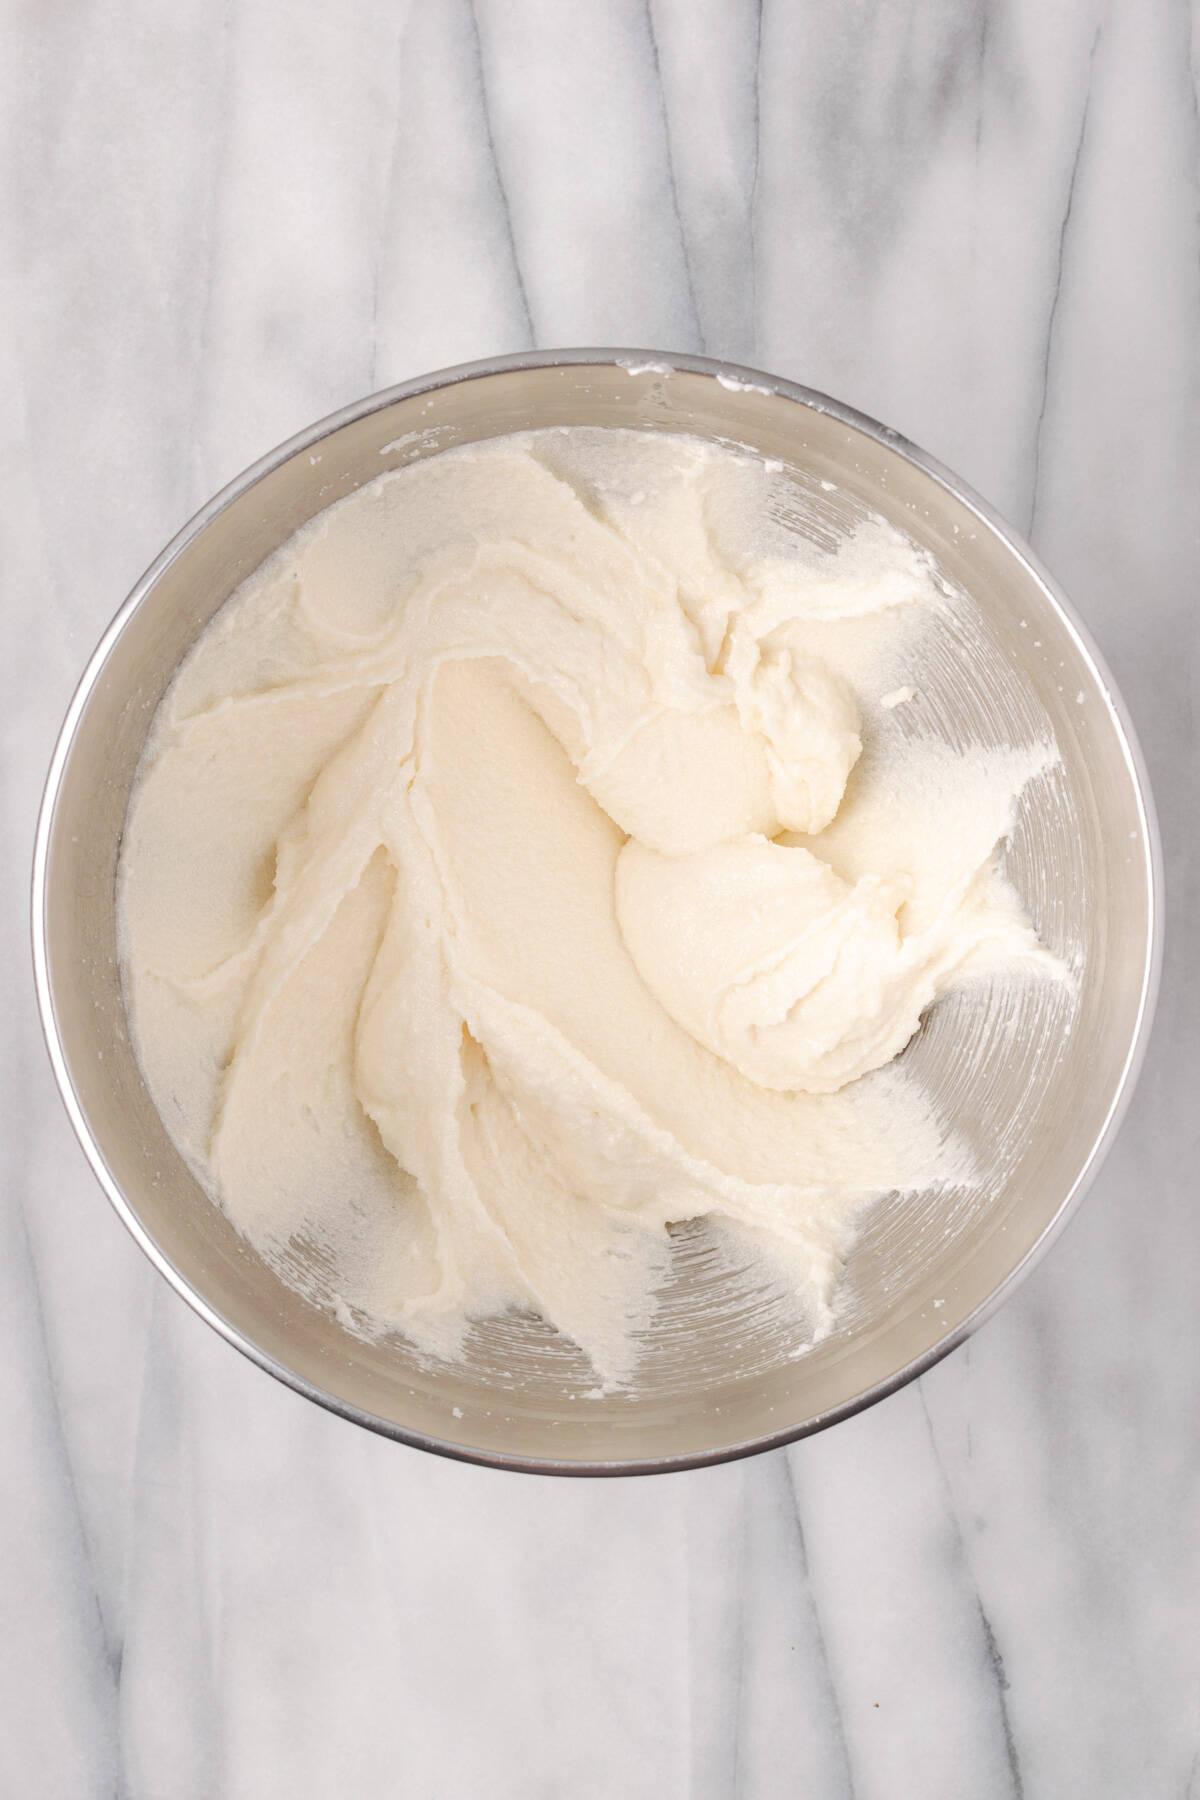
[1036, 1078]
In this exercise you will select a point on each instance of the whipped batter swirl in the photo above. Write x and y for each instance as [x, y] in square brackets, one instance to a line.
[506, 882]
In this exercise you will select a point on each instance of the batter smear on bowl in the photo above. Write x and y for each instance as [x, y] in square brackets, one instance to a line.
[530, 857]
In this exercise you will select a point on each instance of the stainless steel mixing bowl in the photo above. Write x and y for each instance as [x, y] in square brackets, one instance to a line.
[1039, 1085]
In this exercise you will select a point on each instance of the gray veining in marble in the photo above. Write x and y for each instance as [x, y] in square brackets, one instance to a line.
[976, 221]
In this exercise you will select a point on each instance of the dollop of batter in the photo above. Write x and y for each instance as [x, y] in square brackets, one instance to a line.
[506, 882]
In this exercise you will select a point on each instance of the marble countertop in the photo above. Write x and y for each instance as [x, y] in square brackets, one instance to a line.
[977, 222]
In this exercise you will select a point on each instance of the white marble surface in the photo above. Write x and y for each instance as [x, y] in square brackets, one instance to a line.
[976, 221]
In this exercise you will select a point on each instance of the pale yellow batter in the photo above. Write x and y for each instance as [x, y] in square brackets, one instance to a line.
[503, 884]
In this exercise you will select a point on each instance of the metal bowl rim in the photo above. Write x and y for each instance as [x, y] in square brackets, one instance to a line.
[668, 361]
